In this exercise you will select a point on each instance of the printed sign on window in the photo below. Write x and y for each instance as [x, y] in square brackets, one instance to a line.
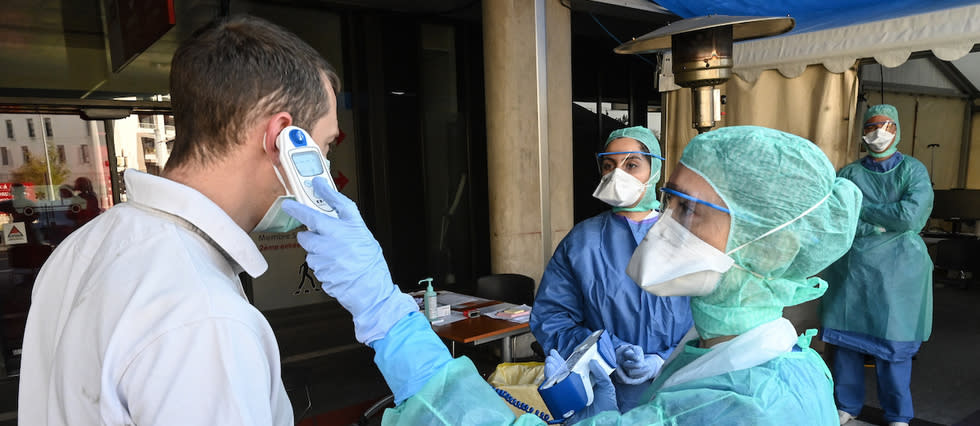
[14, 233]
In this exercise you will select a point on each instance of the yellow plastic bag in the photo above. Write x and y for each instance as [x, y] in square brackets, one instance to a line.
[521, 381]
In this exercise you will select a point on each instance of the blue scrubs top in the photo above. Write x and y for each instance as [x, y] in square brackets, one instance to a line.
[585, 288]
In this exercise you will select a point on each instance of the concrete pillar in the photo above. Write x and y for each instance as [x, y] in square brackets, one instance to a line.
[527, 61]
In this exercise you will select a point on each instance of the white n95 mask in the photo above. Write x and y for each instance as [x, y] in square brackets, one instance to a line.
[619, 189]
[879, 140]
[672, 261]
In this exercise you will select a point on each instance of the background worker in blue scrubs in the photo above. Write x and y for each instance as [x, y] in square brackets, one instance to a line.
[880, 297]
[585, 286]
[784, 216]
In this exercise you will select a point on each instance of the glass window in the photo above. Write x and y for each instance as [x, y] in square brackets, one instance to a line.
[10, 129]
[43, 200]
[30, 128]
[142, 143]
[146, 121]
[149, 145]
[48, 130]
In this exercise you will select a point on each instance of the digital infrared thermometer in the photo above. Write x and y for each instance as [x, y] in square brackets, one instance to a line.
[566, 394]
[302, 161]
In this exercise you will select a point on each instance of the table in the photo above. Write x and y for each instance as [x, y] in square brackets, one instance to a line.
[482, 329]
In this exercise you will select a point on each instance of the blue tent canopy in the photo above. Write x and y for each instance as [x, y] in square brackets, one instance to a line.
[811, 15]
[836, 33]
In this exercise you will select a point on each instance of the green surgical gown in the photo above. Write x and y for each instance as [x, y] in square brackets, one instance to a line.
[882, 287]
[793, 389]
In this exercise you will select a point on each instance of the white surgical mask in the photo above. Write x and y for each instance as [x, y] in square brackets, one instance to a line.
[619, 189]
[879, 140]
[672, 261]
[275, 219]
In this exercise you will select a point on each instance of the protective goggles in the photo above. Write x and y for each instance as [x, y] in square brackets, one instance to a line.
[703, 219]
[629, 155]
[668, 195]
[870, 127]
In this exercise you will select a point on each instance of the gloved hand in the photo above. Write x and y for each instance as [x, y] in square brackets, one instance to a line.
[554, 365]
[603, 391]
[865, 229]
[635, 367]
[347, 259]
[604, 395]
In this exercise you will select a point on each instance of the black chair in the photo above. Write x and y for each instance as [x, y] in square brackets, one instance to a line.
[511, 288]
[369, 417]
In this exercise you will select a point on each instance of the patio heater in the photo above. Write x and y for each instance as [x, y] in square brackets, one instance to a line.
[702, 54]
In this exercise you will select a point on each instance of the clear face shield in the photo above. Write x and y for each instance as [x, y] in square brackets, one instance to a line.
[678, 256]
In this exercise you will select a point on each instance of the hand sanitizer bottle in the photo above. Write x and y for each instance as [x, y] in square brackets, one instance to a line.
[429, 300]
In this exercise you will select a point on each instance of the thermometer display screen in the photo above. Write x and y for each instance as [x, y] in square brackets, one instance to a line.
[307, 163]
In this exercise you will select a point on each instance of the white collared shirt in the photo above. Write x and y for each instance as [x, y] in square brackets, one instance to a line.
[139, 318]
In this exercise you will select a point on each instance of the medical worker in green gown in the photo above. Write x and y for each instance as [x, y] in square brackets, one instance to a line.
[752, 215]
[880, 297]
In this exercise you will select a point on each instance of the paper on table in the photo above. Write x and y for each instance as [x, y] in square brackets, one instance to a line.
[495, 310]
[450, 298]
[519, 320]
[449, 319]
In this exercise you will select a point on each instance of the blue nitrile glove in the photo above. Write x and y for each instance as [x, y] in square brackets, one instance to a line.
[604, 395]
[554, 365]
[635, 367]
[607, 350]
[347, 259]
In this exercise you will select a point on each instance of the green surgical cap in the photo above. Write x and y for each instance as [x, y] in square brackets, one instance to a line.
[644, 136]
[769, 178]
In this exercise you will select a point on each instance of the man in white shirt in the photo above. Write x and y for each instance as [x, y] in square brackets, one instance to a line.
[139, 317]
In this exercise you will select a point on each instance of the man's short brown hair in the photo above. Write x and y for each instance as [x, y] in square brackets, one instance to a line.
[235, 70]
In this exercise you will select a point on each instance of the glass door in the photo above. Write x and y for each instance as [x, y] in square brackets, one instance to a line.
[56, 175]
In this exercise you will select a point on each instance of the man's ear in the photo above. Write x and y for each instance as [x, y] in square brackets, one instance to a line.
[274, 125]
